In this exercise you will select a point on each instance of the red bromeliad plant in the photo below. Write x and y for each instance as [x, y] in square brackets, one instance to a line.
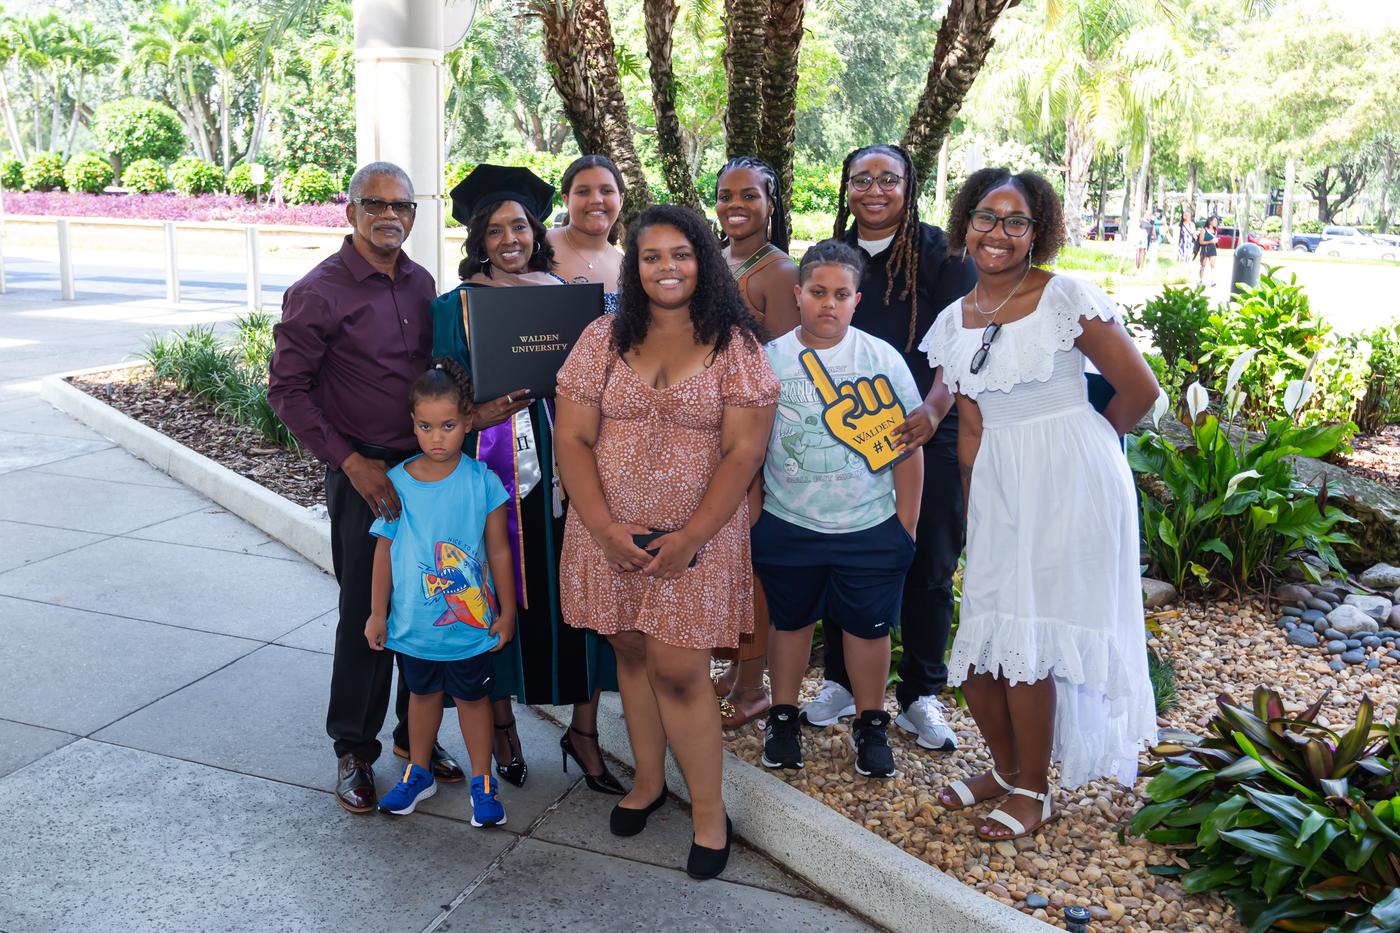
[1296, 824]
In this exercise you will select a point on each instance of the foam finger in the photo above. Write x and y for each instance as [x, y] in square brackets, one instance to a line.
[884, 391]
[867, 394]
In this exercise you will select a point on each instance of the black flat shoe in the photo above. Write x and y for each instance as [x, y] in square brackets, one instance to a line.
[603, 783]
[704, 863]
[624, 822]
[516, 771]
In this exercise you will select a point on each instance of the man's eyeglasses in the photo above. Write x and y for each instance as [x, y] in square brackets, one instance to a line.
[376, 206]
[979, 359]
[887, 181]
[1015, 225]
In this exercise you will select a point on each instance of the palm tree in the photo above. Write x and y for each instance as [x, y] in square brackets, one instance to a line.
[783, 41]
[660, 18]
[31, 39]
[743, 69]
[964, 39]
[9, 50]
[169, 42]
[221, 39]
[93, 50]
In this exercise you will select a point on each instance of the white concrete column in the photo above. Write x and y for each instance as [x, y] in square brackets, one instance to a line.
[399, 108]
[66, 287]
[172, 265]
[251, 255]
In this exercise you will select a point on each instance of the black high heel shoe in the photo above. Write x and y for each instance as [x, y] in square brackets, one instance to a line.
[516, 771]
[603, 783]
[705, 863]
[624, 822]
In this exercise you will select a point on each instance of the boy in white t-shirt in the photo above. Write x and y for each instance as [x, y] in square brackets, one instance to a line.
[840, 505]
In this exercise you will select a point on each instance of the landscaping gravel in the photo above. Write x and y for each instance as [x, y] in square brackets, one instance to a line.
[1078, 859]
[1376, 456]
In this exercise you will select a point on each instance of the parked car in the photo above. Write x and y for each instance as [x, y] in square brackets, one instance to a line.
[1357, 246]
[1389, 239]
[1110, 230]
[1306, 242]
[1229, 235]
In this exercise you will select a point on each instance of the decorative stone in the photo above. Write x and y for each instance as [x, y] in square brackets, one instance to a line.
[1320, 626]
[1381, 577]
[1336, 664]
[1336, 647]
[1285, 622]
[1354, 656]
[1353, 643]
[1313, 616]
[1302, 638]
[1371, 605]
[1393, 620]
[1333, 635]
[1395, 653]
[1314, 602]
[1157, 593]
[1293, 611]
[1036, 901]
[1371, 641]
[1291, 593]
[1350, 620]
[1372, 663]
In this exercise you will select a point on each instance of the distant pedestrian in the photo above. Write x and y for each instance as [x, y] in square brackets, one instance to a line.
[1207, 240]
[1185, 235]
[355, 334]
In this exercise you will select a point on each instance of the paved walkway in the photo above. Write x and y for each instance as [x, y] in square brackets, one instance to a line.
[163, 761]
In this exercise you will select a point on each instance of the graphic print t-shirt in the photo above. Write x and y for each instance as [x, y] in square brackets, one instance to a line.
[809, 478]
[442, 604]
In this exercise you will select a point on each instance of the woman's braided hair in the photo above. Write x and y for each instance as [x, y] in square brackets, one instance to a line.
[444, 379]
[778, 233]
[904, 251]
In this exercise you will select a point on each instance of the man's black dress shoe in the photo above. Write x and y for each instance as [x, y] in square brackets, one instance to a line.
[444, 767]
[354, 785]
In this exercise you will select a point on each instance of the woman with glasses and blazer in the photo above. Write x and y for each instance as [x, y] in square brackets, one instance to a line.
[1051, 652]
[910, 275]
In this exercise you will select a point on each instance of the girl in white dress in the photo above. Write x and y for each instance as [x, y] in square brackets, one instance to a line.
[1050, 650]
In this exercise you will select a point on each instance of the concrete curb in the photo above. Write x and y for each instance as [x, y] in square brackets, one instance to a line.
[875, 878]
[285, 521]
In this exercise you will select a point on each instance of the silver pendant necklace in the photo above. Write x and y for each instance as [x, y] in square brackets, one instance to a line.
[977, 304]
[568, 235]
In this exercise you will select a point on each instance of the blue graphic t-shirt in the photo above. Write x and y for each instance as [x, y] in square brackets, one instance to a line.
[442, 604]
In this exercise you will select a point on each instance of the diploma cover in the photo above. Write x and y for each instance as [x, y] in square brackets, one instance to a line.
[519, 337]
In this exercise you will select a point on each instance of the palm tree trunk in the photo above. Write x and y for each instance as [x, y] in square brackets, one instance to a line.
[964, 39]
[77, 112]
[1079, 154]
[259, 123]
[778, 131]
[743, 70]
[563, 45]
[940, 184]
[660, 18]
[223, 116]
[56, 116]
[1290, 178]
[1191, 191]
[11, 124]
[601, 60]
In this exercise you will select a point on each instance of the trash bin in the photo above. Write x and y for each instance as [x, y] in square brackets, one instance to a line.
[1248, 258]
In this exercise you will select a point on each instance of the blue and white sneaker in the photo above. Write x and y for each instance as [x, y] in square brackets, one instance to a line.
[417, 784]
[486, 809]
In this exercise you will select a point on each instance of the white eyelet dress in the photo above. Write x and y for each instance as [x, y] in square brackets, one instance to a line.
[1051, 586]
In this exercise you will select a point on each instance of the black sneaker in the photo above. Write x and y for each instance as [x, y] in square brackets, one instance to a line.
[782, 740]
[872, 745]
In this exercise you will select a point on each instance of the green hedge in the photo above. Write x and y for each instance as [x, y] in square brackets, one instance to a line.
[195, 176]
[44, 172]
[311, 184]
[146, 176]
[12, 174]
[88, 173]
[133, 129]
[240, 181]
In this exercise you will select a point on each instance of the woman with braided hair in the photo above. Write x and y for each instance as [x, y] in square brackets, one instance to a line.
[910, 276]
[746, 202]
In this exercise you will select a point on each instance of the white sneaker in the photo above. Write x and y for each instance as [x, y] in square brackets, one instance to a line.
[924, 718]
[833, 703]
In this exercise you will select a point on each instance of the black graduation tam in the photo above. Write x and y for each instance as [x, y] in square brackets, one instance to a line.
[501, 183]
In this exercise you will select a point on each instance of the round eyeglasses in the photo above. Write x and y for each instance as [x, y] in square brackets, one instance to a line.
[1015, 225]
[887, 181]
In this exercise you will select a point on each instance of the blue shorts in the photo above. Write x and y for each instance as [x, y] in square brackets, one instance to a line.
[853, 580]
[467, 679]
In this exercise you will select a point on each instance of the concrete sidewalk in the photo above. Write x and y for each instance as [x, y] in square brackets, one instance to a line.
[163, 760]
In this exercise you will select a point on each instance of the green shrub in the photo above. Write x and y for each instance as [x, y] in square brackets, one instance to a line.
[252, 339]
[89, 173]
[1307, 226]
[132, 129]
[196, 176]
[1162, 673]
[311, 184]
[1296, 824]
[1233, 509]
[1273, 224]
[1381, 403]
[44, 172]
[12, 175]
[240, 181]
[1276, 320]
[146, 176]
[815, 188]
[1175, 320]
[323, 134]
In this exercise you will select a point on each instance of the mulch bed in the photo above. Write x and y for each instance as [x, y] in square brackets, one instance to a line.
[1377, 456]
[165, 408]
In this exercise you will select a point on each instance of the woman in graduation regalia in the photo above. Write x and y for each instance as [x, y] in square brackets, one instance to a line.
[547, 662]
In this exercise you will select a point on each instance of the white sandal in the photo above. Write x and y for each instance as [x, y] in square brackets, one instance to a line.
[1010, 822]
[965, 793]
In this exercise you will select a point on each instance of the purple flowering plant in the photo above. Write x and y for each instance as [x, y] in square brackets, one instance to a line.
[226, 208]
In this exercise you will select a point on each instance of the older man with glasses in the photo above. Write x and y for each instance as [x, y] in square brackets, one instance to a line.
[355, 332]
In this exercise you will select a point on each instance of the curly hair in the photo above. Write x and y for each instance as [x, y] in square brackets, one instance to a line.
[474, 258]
[904, 251]
[778, 233]
[444, 379]
[831, 253]
[716, 308]
[1049, 227]
[566, 184]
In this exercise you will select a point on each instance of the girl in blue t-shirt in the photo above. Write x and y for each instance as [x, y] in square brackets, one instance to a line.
[443, 591]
